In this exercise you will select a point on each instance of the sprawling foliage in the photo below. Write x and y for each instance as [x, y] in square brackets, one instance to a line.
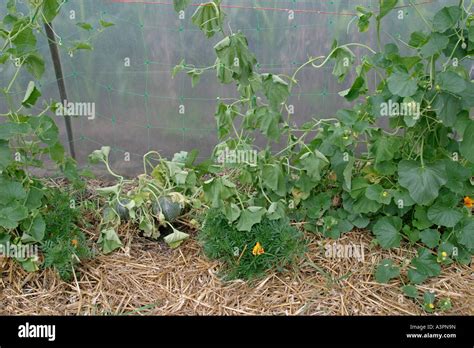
[412, 180]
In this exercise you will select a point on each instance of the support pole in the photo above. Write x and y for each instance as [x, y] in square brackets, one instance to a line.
[53, 47]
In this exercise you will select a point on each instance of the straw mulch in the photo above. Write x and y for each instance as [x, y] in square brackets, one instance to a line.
[147, 278]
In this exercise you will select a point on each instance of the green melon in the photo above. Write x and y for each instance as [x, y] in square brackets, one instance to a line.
[171, 210]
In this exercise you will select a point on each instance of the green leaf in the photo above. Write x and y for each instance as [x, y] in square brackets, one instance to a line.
[275, 89]
[387, 229]
[85, 26]
[421, 220]
[24, 39]
[34, 230]
[385, 7]
[364, 19]
[386, 270]
[11, 216]
[180, 5]
[451, 82]
[35, 65]
[269, 121]
[378, 193]
[82, 46]
[430, 237]
[344, 59]
[232, 212]
[418, 39]
[467, 145]
[313, 163]
[402, 84]
[105, 24]
[276, 211]
[465, 234]
[447, 107]
[434, 45]
[422, 182]
[50, 9]
[216, 191]
[31, 96]
[273, 178]
[357, 88]
[6, 157]
[11, 191]
[235, 60]
[109, 240]
[209, 17]
[385, 148]
[175, 239]
[410, 291]
[424, 266]
[9, 130]
[34, 199]
[250, 217]
[444, 213]
[446, 18]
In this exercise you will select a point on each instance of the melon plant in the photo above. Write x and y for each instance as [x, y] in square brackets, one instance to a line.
[412, 183]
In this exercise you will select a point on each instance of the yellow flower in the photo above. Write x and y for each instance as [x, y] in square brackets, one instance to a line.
[257, 249]
[444, 254]
[74, 243]
[385, 193]
[468, 202]
[431, 305]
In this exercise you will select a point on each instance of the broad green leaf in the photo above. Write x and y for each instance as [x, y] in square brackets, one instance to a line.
[387, 229]
[6, 157]
[435, 44]
[451, 82]
[446, 18]
[384, 148]
[385, 7]
[276, 211]
[34, 63]
[378, 193]
[422, 182]
[82, 46]
[444, 212]
[424, 266]
[225, 116]
[417, 39]
[386, 270]
[358, 87]
[268, 121]
[209, 17]
[250, 217]
[275, 89]
[235, 58]
[24, 39]
[11, 191]
[273, 178]
[11, 216]
[50, 9]
[316, 205]
[402, 84]
[364, 19]
[232, 212]
[313, 163]
[9, 130]
[34, 230]
[447, 107]
[467, 145]
[34, 198]
[430, 237]
[410, 291]
[31, 96]
[465, 234]
[421, 220]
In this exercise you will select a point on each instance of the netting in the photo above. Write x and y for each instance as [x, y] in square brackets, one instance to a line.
[140, 107]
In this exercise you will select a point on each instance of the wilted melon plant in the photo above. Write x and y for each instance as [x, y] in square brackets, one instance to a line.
[153, 201]
[412, 183]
